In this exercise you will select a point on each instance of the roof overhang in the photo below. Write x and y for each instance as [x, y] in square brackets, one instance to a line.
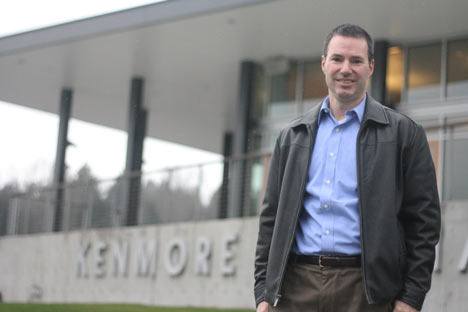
[189, 53]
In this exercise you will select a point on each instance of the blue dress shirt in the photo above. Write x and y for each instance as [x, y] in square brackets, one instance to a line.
[330, 220]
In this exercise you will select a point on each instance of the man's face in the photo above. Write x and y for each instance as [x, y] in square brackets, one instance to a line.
[347, 69]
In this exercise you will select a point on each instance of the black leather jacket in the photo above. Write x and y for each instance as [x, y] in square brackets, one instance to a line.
[398, 201]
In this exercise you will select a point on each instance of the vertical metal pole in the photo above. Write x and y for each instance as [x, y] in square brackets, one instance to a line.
[59, 170]
[243, 124]
[227, 153]
[441, 186]
[136, 134]
[448, 163]
[406, 69]
[378, 86]
[443, 70]
[442, 155]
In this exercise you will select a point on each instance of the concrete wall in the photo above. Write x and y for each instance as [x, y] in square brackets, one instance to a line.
[449, 290]
[147, 265]
[134, 265]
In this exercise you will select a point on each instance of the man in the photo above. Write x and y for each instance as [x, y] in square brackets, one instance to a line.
[351, 214]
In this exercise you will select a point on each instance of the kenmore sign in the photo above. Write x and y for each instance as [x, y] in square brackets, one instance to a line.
[99, 259]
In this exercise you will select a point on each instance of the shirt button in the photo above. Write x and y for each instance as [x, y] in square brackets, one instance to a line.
[337, 130]
[332, 154]
[327, 232]
[327, 181]
[325, 206]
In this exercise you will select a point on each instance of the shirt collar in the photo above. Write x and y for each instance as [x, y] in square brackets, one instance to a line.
[359, 109]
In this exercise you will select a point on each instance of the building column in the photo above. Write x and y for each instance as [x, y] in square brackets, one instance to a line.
[227, 154]
[59, 169]
[378, 88]
[238, 187]
[136, 134]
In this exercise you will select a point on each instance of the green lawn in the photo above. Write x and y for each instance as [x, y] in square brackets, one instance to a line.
[10, 307]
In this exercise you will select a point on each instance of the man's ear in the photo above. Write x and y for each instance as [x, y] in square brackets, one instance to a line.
[371, 66]
[322, 63]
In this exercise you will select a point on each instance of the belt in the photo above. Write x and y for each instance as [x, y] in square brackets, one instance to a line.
[327, 261]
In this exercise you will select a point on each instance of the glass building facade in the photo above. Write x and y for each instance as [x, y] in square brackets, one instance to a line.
[428, 82]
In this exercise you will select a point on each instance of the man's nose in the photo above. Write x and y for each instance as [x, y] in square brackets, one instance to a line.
[345, 67]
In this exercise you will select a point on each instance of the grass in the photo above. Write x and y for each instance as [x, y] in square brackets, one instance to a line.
[17, 307]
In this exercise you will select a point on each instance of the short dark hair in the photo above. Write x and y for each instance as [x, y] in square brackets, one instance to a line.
[354, 31]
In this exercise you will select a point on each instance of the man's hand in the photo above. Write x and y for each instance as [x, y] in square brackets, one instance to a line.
[262, 307]
[400, 306]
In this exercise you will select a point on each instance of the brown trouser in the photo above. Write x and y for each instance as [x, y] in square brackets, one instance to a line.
[309, 288]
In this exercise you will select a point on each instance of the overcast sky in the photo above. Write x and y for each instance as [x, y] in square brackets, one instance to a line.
[23, 15]
[28, 137]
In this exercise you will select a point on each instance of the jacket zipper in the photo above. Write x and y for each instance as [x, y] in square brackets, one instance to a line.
[363, 260]
[278, 295]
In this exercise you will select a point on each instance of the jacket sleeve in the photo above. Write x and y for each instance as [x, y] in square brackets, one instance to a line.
[420, 218]
[266, 224]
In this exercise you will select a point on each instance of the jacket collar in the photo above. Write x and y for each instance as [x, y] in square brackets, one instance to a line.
[374, 111]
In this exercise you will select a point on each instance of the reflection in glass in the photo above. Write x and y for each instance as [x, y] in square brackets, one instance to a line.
[260, 94]
[274, 99]
[283, 91]
[314, 81]
[424, 72]
[257, 184]
[394, 79]
[434, 146]
[457, 169]
[457, 68]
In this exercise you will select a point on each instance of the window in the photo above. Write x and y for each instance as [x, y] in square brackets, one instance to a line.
[424, 72]
[282, 90]
[456, 163]
[394, 79]
[457, 68]
[314, 81]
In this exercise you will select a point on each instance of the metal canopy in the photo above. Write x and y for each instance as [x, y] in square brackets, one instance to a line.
[189, 53]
